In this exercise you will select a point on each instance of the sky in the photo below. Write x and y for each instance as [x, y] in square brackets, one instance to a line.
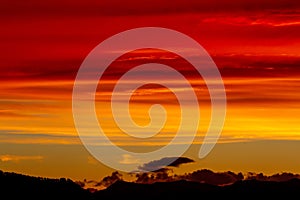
[256, 46]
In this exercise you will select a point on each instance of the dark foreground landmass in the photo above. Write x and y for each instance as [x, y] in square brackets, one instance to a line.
[17, 186]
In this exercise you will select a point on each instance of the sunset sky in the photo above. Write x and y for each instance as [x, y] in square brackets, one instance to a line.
[256, 46]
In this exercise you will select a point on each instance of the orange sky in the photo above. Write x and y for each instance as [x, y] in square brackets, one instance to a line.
[255, 46]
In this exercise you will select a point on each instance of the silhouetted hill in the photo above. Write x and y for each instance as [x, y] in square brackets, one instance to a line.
[16, 186]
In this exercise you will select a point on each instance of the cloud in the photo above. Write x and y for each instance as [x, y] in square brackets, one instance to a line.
[157, 170]
[275, 177]
[272, 19]
[161, 175]
[210, 177]
[109, 180]
[163, 162]
[181, 160]
[24, 137]
[201, 176]
[93, 185]
[128, 159]
[17, 158]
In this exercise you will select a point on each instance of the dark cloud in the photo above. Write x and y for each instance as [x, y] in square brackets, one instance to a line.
[161, 175]
[181, 160]
[163, 170]
[237, 65]
[275, 177]
[162, 163]
[210, 177]
[213, 178]
[200, 176]
[109, 180]
[257, 65]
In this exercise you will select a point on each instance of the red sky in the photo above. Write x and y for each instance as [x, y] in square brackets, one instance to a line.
[50, 40]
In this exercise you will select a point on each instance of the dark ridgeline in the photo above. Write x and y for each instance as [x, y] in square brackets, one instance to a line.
[186, 189]
[16, 186]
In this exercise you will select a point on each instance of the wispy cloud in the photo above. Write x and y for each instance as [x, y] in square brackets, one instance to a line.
[271, 18]
[18, 158]
[128, 159]
[27, 137]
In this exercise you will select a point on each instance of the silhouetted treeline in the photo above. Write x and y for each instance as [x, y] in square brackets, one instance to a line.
[16, 186]
[247, 189]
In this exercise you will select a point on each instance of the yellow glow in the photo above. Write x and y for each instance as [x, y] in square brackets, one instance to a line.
[258, 108]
